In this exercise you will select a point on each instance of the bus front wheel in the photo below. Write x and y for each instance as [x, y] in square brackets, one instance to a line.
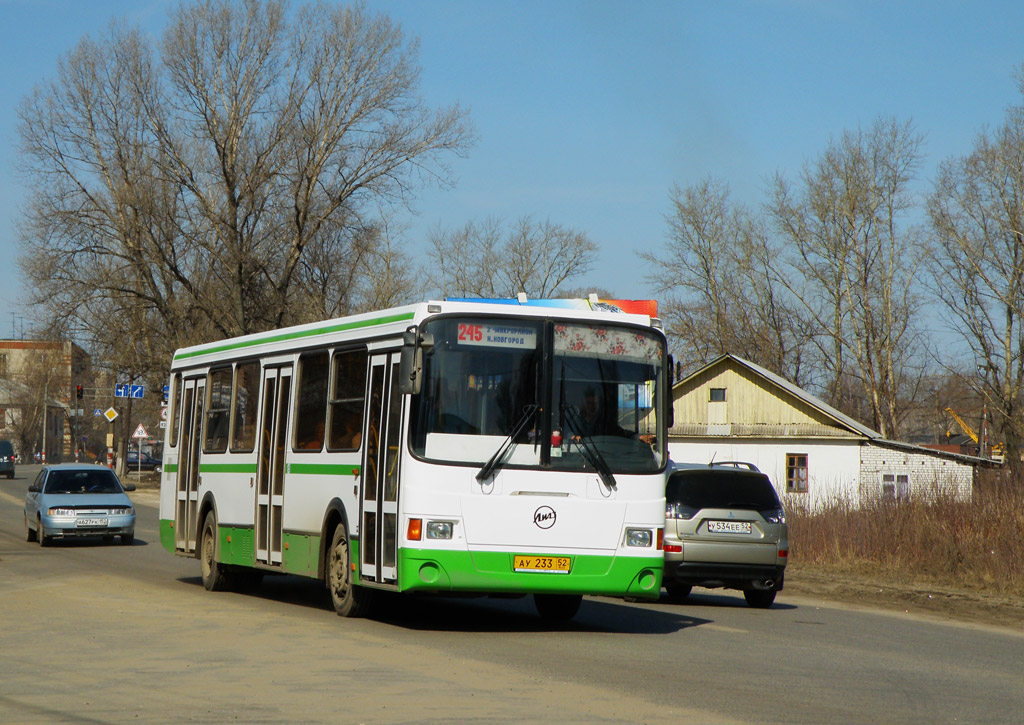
[348, 599]
[215, 574]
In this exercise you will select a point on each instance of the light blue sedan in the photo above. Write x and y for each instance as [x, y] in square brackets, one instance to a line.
[74, 499]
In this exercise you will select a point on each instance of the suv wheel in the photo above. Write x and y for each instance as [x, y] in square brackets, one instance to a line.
[759, 598]
[678, 591]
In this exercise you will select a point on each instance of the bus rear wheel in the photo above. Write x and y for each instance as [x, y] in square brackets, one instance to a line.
[348, 599]
[557, 607]
[215, 574]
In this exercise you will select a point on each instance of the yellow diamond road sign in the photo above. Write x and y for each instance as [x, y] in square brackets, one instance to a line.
[110, 414]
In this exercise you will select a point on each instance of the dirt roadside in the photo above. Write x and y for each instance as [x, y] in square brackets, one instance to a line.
[916, 597]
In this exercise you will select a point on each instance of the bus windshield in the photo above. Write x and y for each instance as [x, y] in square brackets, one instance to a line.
[485, 377]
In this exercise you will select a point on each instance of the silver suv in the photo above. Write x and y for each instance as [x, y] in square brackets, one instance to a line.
[724, 527]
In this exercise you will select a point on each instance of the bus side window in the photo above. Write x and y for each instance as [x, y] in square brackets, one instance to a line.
[218, 412]
[348, 397]
[247, 386]
[175, 412]
[311, 402]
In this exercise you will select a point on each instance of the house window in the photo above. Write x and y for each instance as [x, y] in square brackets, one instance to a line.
[3, 418]
[717, 395]
[796, 473]
[895, 487]
[3, 365]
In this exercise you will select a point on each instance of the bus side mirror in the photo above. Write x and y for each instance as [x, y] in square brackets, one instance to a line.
[410, 366]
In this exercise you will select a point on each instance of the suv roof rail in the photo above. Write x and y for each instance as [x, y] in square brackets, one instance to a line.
[735, 464]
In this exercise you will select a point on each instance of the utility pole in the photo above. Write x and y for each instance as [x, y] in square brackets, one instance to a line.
[984, 431]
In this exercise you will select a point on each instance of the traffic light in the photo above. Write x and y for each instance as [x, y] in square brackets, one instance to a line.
[78, 392]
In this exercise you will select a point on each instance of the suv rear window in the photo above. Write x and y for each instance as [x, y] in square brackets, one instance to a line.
[718, 488]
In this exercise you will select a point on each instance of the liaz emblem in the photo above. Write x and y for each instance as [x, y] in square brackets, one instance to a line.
[544, 517]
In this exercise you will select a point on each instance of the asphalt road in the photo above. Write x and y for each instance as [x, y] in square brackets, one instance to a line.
[106, 633]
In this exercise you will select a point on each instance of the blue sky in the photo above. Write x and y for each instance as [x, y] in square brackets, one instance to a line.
[588, 112]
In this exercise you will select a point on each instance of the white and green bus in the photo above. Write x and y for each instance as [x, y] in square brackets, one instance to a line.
[472, 446]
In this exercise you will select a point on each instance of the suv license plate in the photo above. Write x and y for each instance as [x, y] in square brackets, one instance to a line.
[553, 564]
[91, 522]
[729, 527]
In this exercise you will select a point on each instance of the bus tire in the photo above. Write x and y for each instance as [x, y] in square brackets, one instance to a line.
[348, 599]
[215, 574]
[557, 607]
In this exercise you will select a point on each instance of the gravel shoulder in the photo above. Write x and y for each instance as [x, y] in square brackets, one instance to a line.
[916, 597]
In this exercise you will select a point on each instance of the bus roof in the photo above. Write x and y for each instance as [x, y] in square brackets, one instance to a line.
[394, 321]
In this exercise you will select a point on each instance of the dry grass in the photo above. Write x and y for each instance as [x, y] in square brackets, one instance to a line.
[973, 545]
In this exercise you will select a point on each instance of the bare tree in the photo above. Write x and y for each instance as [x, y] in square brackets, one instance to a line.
[977, 214]
[484, 260]
[714, 271]
[195, 189]
[853, 262]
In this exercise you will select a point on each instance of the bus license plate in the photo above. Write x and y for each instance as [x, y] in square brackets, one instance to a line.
[553, 564]
[91, 522]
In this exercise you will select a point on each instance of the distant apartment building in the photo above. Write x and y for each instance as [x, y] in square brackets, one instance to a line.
[38, 386]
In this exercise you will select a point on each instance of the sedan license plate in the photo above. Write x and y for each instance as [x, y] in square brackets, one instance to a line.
[553, 564]
[91, 522]
[729, 527]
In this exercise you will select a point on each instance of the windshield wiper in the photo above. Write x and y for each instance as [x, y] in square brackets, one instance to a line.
[586, 444]
[498, 459]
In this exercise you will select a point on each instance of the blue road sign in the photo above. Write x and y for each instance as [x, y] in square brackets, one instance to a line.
[128, 391]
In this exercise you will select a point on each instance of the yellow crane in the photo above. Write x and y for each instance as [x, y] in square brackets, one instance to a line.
[995, 450]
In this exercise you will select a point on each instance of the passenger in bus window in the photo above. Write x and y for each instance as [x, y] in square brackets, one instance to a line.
[314, 440]
[593, 420]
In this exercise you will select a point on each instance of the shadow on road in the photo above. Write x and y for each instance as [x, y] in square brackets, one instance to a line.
[721, 599]
[426, 612]
[92, 541]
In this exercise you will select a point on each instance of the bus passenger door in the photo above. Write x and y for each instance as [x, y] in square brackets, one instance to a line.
[276, 389]
[187, 497]
[378, 535]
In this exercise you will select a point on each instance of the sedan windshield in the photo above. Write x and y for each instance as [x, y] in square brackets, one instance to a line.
[98, 481]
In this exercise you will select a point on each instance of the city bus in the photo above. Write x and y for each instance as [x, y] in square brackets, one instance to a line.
[446, 447]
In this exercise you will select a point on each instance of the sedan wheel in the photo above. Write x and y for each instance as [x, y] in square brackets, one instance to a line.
[44, 540]
[30, 533]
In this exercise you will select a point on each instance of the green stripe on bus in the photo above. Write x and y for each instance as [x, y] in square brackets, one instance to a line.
[167, 534]
[490, 571]
[297, 335]
[227, 468]
[330, 469]
[171, 468]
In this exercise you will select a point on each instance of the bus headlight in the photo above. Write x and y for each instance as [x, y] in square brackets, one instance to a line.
[638, 537]
[439, 529]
